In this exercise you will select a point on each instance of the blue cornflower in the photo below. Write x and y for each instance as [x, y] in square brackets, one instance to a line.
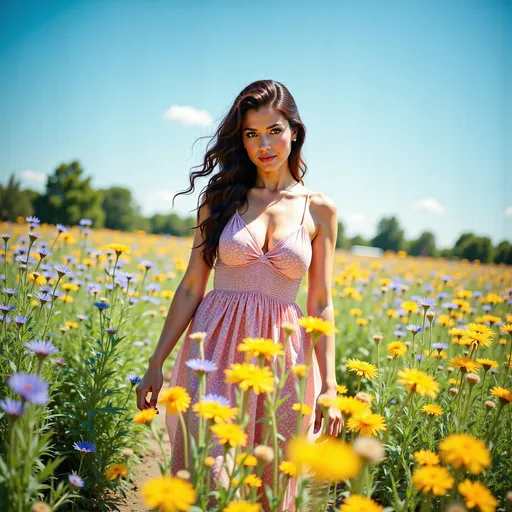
[111, 331]
[399, 334]
[440, 346]
[61, 228]
[201, 366]
[42, 348]
[85, 222]
[75, 480]
[43, 297]
[57, 293]
[84, 447]
[419, 357]
[101, 305]
[82, 318]
[12, 407]
[6, 308]
[30, 387]
[133, 379]
[33, 235]
[442, 295]
[10, 291]
[449, 305]
[61, 269]
[415, 329]
[133, 300]
[6, 236]
[20, 320]
[211, 397]
[147, 264]
[446, 278]
[32, 220]
[426, 303]
[44, 252]
[487, 308]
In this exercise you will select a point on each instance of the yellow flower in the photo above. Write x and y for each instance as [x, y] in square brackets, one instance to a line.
[362, 368]
[300, 370]
[351, 405]
[432, 409]
[396, 348]
[116, 470]
[70, 287]
[434, 479]
[252, 481]
[477, 338]
[466, 364]
[465, 451]
[419, 382]
[168, 494]
[341, 389]
[487, 363]
[316, 325]
[242, 506]
[426, 458]
[209, 461]
[303, 408]
[145, 416]
[362, 321]
[476, 494]
[250, 376]
[230, 433]
[355, 312]
[502, 393]
[410, 306]
[327, 458]
[247, 459]
[366, 423]
[176, 400]
[357, 503]
[506, 328]
[288, 468]
[255, 347]
[214, 410]
[119, 248]
[482, 329]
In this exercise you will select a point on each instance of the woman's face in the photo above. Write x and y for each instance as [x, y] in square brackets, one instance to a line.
[266, 133]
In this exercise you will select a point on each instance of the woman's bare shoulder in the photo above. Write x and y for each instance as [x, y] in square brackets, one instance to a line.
[323, 208]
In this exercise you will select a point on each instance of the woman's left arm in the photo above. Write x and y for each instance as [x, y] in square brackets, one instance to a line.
[319, 302]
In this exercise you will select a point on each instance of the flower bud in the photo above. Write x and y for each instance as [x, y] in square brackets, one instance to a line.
[377, 337]
[183, 474]
[364, 397]
[369, 449]
[264, 453]
[127, 452]
[472, 378]
[489, 404]
[209, 462]
[453, 391]
[41, 506]
[198, 337]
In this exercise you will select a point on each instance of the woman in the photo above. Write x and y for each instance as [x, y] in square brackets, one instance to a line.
[261, 230]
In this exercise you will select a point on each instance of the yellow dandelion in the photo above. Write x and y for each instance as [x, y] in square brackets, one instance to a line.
[487, 364]
[242, 506]
[419, 382]
[215, 410]
[426, 458]
[466, 364]
[409, 306]
[433, 479]
[145, 416]
[176, 399]
[341, 389]
[303, 408]
[327, 458]
[396, 348]
[230, 433]
[357, 503]
[116, 470]
[502, 393]
[168, 494]
[366, 423]
[351, 405]
[506, 329]
[465, 451]
[250, 376]
[299, 370]
[477, 338]
[482, 329]
[288, 468]
[476, 494]
[355, 312]
[432, 409]
[316, 325]
[246, 459]
[362, 322]
[119, 248]
[255, 347]
[362, 368]
[252, 481]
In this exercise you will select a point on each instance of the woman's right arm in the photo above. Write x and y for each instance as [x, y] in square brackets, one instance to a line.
[189, 294]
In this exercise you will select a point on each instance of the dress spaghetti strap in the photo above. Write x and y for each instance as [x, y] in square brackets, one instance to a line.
[305, 208]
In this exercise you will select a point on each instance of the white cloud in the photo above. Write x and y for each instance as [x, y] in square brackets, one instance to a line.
[508, 211]
[358, 224]
[188, 115]
[429, 205]
[33, 176]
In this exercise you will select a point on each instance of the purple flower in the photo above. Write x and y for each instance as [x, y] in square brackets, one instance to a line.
[33, 235]
[75, 480]
[415, 329]
[426, 303]
[84, 447]
[399, 334]
[10, 291]
[60, 361]
[101, 305]
[42, 348]
[61, 269]
[12, 407]
[85, 222]
[43, 252]
[215, 398]
[147, 264]
[111, 331]
[20, 320]
[449, 305]
[32, 220]
[6, 236]
[82, 318]
[440, 346]
[43, 297]
[6, 308]
[419, 357]
[30, 387]
[61, 228]
[201, 366]
[133, 379]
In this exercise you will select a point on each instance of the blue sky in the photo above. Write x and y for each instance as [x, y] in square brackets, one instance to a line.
[407, 104]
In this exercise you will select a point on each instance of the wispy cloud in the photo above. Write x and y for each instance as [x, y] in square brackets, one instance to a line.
[188, 115]
[508, 211]
[32, 176]
[429, 205]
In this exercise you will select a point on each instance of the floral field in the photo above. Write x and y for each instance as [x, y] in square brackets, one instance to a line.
[423, 369]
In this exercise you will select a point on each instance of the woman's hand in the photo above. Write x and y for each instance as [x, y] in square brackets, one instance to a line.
[151, 382]
[334, 416]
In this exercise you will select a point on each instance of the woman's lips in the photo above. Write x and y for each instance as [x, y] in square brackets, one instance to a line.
[267, 159]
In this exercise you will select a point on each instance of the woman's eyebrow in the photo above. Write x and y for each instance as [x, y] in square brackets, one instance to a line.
[268, 127]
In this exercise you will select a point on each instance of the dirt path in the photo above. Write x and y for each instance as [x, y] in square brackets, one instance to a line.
[146, 469]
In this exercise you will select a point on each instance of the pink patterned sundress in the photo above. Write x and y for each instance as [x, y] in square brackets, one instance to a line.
[254, 293]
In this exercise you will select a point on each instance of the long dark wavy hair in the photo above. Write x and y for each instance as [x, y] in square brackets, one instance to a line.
[227, 189]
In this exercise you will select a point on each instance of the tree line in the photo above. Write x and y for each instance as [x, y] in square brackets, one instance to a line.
[69, 197]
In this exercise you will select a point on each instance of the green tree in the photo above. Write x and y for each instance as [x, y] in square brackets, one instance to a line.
[70, 197]
[358, 240]
[478, 248]
[390, 236]
[120, 211]
[341, 241]
[14, 201]
[424, 245]
[503, 253]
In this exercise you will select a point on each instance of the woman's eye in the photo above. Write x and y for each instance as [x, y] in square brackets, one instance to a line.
[278, 130]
